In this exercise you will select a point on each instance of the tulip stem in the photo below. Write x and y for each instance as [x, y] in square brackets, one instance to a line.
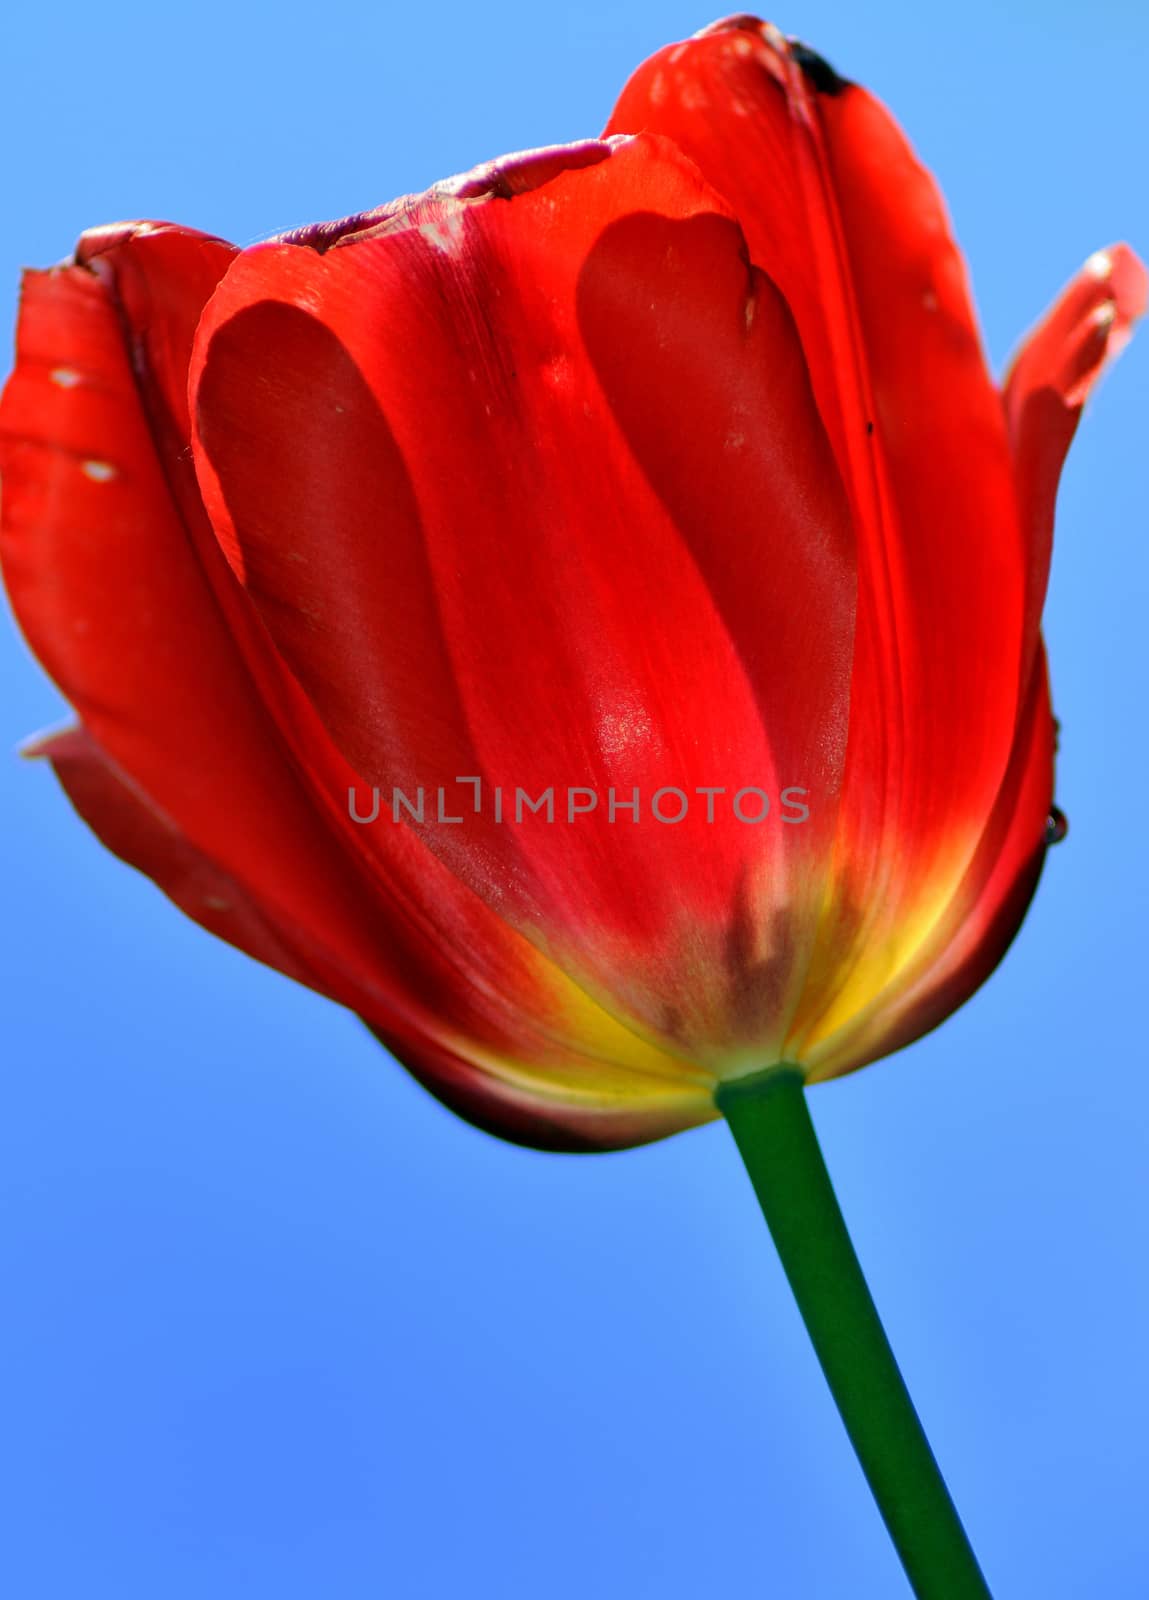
[770, 1121]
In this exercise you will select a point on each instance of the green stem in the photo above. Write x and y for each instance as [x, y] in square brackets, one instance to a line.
[771, 1125]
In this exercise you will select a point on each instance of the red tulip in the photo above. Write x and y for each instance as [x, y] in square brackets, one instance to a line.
[659, 469]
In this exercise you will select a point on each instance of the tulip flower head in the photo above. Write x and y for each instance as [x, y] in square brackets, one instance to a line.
[585, 618]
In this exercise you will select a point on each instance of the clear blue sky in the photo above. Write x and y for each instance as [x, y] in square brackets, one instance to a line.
[274, 1324]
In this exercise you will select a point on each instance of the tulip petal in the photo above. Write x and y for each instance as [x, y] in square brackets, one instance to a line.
[183, 770]
[1049, 381]
[105, 582]
[133, 829]
[569, 1107]
[160, 277]
[985, 913]
[458, 512]
[837, 211]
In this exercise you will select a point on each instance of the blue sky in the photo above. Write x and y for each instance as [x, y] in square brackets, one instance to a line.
[274, 1323]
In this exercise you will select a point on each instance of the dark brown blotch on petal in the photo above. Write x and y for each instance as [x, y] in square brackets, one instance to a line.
[818, 70]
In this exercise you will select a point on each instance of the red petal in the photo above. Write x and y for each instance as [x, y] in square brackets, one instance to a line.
[980, 922]
[139, 833]
[847, 224]
[107, 587]
[108, 580]
[1049, 381]
[160, 276]
[498, 457]
[567, 1104]
[549, 1112]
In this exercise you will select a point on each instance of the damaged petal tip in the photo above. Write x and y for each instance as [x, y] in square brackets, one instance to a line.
[99, 241]
[501, 179]
[737, 22]
[525, 170]
[817, 70]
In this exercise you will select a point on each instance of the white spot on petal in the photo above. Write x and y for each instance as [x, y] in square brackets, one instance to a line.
[1100, 264]
[625, 728]
[98, 471]
[658, 88]
[445, 233]
[66, 377]
[558, 372]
